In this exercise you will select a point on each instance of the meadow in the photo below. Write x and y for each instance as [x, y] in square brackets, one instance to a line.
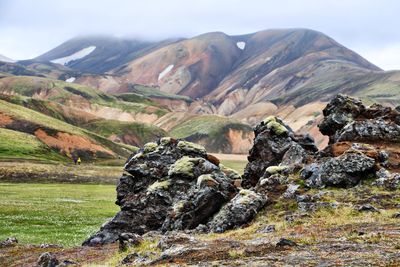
[61, 213]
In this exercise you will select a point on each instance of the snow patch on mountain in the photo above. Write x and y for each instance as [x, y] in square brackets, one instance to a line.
[241, 45]
[165, 71]
[70, 80]
[77, 55]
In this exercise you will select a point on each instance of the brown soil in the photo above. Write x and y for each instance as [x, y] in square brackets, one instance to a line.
[68, 143]
[5, 120]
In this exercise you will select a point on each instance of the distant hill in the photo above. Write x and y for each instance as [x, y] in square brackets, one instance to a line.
[6, 59]
[213, 77]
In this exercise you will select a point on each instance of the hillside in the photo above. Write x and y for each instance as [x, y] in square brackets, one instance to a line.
[98, 54]
[45, 136]
[291, 73]
[270, 70]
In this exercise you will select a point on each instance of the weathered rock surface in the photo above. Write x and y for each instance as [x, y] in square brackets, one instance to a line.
[175, 185]
[275, 142]
[343, 171]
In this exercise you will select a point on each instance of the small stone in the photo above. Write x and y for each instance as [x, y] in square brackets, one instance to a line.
[286, 243]
[396, 215]
[9, 242]
[268, 229]
[128, 240]
[47, 260]
[367, 208]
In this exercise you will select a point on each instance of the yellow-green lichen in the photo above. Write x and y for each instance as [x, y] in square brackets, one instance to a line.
[159, 185]
[165, 141]
[273, 124]
[275, 169]
[230, 173]
[190, 147]
[150, 147]
[183, 166]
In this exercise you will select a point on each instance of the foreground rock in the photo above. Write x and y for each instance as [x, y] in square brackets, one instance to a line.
[275, 143]
[175, 185]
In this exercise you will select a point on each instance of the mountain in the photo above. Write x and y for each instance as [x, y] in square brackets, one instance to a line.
[6, 59]
[187, 84]
[99, 54]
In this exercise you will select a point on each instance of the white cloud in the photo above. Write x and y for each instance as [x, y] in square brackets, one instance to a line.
[386, 57]
[29, 28]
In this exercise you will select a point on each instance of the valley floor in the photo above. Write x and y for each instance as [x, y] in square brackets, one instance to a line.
[63, 203]
[66, 213]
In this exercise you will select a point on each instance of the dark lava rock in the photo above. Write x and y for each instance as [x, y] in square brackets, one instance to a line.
[9, 242]
[172, 185]
[285, 243]
[239, 211]
[343, 171]
[127, 240]
[338, 113]
[390, 181]
[267, 229]
[47, 260]
[367, 208]
[273, 139]
[347, 119]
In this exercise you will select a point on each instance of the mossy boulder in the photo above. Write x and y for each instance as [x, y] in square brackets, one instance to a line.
[189, 147]
[150, 147]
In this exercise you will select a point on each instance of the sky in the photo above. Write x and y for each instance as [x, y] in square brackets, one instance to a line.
[29, 28]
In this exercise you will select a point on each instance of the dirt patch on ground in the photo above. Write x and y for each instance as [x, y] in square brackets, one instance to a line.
[69, 144]
[5, 120]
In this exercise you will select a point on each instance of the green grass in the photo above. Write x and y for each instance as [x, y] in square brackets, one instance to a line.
[237, 165]
[18, 145]
[54, 213]
[148, 91]
[206, 125]
[144, 132]
[22, 113]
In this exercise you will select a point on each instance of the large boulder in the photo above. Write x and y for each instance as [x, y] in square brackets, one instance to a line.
[345, 170]
[175, 185]
[273, 139]
[347, 119]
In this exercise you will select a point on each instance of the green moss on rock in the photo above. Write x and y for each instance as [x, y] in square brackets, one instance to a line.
[165, 141]
[150, 147]
[275, 169]
[275, 125]
[190, 147]
[230, 173]
[183, 166]
[159, 185]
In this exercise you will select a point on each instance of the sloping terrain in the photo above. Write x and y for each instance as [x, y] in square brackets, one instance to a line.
[216, 133]
[291, 73]
[54, 136]
[98, 54]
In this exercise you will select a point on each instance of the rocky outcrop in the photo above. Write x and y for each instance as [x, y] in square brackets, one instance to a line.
[275, 143]
[173, 185]
[176, 185]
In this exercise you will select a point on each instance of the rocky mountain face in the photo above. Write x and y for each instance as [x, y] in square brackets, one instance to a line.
[173, 188]
[213, 78]
[290, 73]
